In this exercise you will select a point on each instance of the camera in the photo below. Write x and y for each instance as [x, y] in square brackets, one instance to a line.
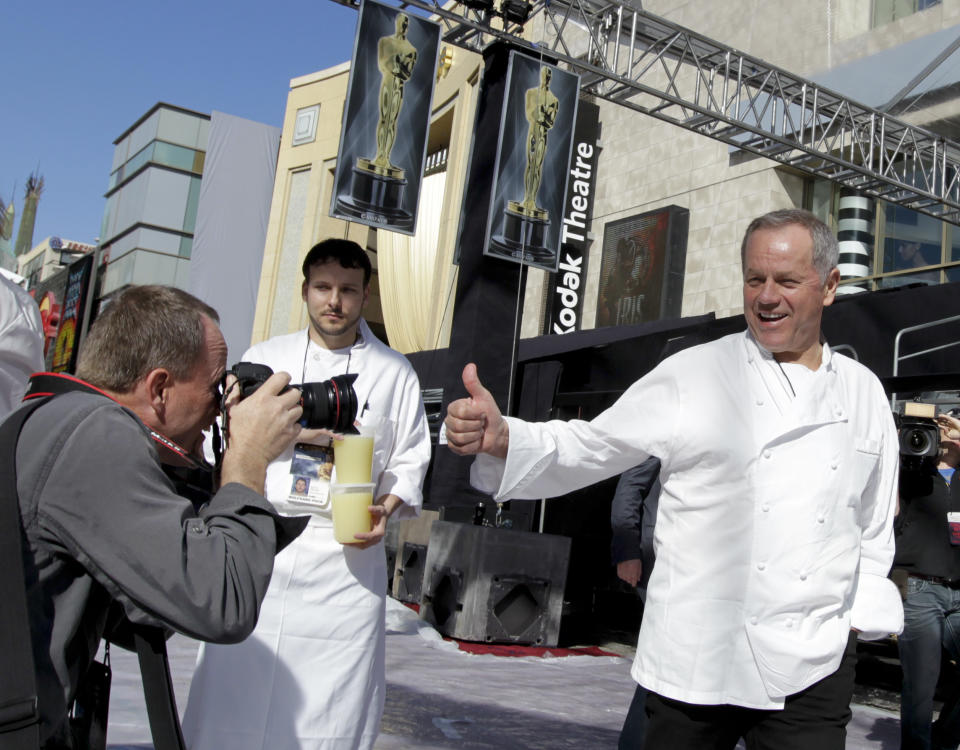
[918, 432]
[330, 404]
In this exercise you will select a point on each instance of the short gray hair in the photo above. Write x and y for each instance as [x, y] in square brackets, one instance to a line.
[826, 250]
[141, 329]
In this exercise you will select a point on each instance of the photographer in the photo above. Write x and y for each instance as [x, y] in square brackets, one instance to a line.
[103, 524]
[928, 549]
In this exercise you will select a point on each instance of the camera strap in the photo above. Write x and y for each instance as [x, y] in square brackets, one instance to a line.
[88, 715]
[19, 711]
[46, 384]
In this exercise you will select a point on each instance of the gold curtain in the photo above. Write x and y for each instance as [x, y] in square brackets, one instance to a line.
[416, 278]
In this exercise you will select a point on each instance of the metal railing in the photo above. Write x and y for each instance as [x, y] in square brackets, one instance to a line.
[897, 358]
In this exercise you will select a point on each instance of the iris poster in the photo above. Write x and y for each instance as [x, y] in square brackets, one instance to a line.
[642, 267]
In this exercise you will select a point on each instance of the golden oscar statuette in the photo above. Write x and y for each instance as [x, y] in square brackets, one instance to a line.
[525, 223]
[378, 185]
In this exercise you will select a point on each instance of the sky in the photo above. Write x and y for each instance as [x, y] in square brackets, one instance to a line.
[77, 75]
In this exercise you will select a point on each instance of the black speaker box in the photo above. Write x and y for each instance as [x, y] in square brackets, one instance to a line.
[411, 561]
[412, 537]
[494, 585]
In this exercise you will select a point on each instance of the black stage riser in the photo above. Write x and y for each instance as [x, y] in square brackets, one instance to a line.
[495, 585]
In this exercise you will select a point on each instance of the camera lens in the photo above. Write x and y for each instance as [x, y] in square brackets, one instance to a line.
[331, 404]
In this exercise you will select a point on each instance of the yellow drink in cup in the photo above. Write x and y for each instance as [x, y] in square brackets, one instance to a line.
[350, 505]
[353, 458]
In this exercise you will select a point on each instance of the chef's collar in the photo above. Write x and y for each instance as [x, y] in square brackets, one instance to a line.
[755, 350]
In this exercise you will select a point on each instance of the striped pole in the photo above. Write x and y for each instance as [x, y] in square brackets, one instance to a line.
[855, 236]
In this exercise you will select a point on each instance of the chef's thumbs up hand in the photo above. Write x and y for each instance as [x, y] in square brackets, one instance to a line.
[475, 424]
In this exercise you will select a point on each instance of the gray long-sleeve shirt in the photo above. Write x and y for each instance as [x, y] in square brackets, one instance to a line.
[104, 524]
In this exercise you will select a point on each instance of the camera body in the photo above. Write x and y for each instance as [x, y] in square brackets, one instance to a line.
[918, 433]
[329, 404]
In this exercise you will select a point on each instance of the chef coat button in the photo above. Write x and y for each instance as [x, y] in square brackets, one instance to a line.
[803, 576]
[754, 620]
[766, 453]
[765, 508]
[789, 623]
[834, 465]
[820, 519]
[759, 402]
[316, 357]
[761, 566]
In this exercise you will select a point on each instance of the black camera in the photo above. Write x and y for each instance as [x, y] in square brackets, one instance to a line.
[330, 404]
[918, 432]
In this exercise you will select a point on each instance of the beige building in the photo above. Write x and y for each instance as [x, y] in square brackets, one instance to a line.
[645, 164]
[46, 258]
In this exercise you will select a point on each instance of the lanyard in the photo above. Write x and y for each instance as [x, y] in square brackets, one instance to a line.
[303, 370]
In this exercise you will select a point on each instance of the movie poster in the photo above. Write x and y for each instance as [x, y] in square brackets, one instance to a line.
[642, 267]
[386, 118]
[66, 347]
[530, 170]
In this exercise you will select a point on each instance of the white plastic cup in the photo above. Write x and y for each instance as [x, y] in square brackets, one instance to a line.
[350, 505]
[353, 456]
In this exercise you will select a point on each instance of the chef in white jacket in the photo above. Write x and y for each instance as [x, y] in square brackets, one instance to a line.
[311, 676]
[774, 534]
[21, 343]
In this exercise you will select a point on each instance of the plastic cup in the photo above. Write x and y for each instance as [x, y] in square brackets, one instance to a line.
[353, 456]
[349, 504]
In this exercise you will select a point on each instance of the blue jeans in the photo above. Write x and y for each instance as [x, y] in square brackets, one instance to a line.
[931, 623]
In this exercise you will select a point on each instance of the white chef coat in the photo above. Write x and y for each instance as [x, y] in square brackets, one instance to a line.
[21, 343]
[774, 535]
[311, 676]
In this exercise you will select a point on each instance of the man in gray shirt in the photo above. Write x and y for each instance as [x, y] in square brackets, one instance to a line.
[104, 525]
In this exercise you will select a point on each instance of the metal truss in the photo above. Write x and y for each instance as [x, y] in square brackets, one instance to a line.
[636, 59]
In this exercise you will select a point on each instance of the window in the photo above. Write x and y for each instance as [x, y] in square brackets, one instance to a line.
[887, 11]
[907, 247]
[163, 153]
[953, 251]
[305, 125]
[193, 201]
[910, 241]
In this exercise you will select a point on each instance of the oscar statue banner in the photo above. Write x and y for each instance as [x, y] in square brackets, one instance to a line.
[386, 117]
[530, 171]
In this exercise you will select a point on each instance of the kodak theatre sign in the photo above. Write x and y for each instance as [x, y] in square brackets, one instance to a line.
[566, 285]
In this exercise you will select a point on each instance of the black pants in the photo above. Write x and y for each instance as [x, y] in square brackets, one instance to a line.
[813, 719]
[635, 725]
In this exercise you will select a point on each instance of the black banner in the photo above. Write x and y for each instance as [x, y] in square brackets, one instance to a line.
[565, 287]
[386, 119]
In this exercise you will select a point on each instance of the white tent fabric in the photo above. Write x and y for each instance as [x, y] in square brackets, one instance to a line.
[417, 277]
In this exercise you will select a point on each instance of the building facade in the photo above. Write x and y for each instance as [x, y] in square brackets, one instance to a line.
[154, 189]
[50, 256]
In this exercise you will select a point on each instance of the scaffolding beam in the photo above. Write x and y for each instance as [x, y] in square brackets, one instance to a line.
[633, 58]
